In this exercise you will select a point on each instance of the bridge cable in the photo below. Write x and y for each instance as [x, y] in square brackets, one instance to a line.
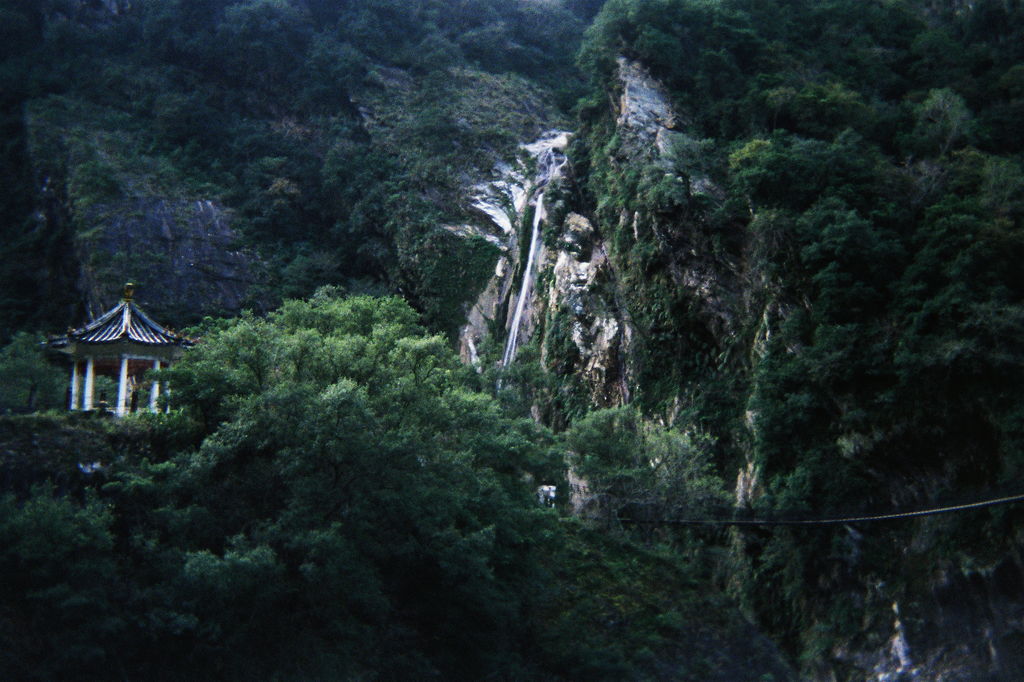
[834, 521]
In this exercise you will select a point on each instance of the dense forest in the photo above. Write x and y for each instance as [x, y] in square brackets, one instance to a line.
[779, 279]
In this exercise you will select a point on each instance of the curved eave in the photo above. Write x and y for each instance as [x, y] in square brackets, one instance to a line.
[126, 323]
[118, 348]
[124, 329]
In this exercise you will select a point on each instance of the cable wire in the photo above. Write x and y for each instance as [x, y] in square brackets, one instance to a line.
[834, 521]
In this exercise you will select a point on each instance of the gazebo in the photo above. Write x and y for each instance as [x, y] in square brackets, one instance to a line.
[123, 342]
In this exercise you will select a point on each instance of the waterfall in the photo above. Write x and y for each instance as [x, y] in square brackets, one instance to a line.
[527, 285]
[550, 162]
[503, 201]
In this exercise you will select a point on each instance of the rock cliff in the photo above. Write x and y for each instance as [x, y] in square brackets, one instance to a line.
[880, 603]
[915, 611]
[586, 317]
[129, 218]
[655, 138]
[581, 295]
[182, 253]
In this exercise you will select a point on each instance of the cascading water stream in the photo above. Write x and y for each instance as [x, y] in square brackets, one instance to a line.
[524, 291]
[549, 166]
[505, 199]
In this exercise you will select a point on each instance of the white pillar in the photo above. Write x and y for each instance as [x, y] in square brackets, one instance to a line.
[74, 384]
[122, 388]
[90, 382]
[154, 392]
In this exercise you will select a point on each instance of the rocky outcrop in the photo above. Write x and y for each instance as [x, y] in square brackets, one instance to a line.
[485, 311]
[956, 623]
[582, 290]
[656, 137]
[583, 306]
[182, 253]
[645, 110]
[653, 132]
[124, 217]
[578, 306]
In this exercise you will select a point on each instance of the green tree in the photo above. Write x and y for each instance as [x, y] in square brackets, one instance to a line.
[27, 380]
[262, 42]
[943, 122]
[354, 486]
[59, 592]
[642, 468]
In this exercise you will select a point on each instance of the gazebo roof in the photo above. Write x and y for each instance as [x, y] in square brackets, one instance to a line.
[124, 323]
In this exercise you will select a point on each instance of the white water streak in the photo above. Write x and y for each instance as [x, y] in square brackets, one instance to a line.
[524, 291]
[550, 162]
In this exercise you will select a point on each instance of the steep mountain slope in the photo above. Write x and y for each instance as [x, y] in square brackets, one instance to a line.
[755, 258]
[800, 224]
[318, 143]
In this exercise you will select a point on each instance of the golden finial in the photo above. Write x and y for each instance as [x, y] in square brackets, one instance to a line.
[129, 290]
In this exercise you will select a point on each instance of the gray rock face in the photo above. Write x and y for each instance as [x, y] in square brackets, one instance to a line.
[484, 311]
[601, 338]
[577, 271]
[580, 273]
[182, 254]
[653, 133]
[644, 106]
[969, 627]
[120, 215]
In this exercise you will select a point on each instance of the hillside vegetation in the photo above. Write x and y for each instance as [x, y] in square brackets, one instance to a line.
[333, 498]
[863, 226]
[337, 135]
[810, 258]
